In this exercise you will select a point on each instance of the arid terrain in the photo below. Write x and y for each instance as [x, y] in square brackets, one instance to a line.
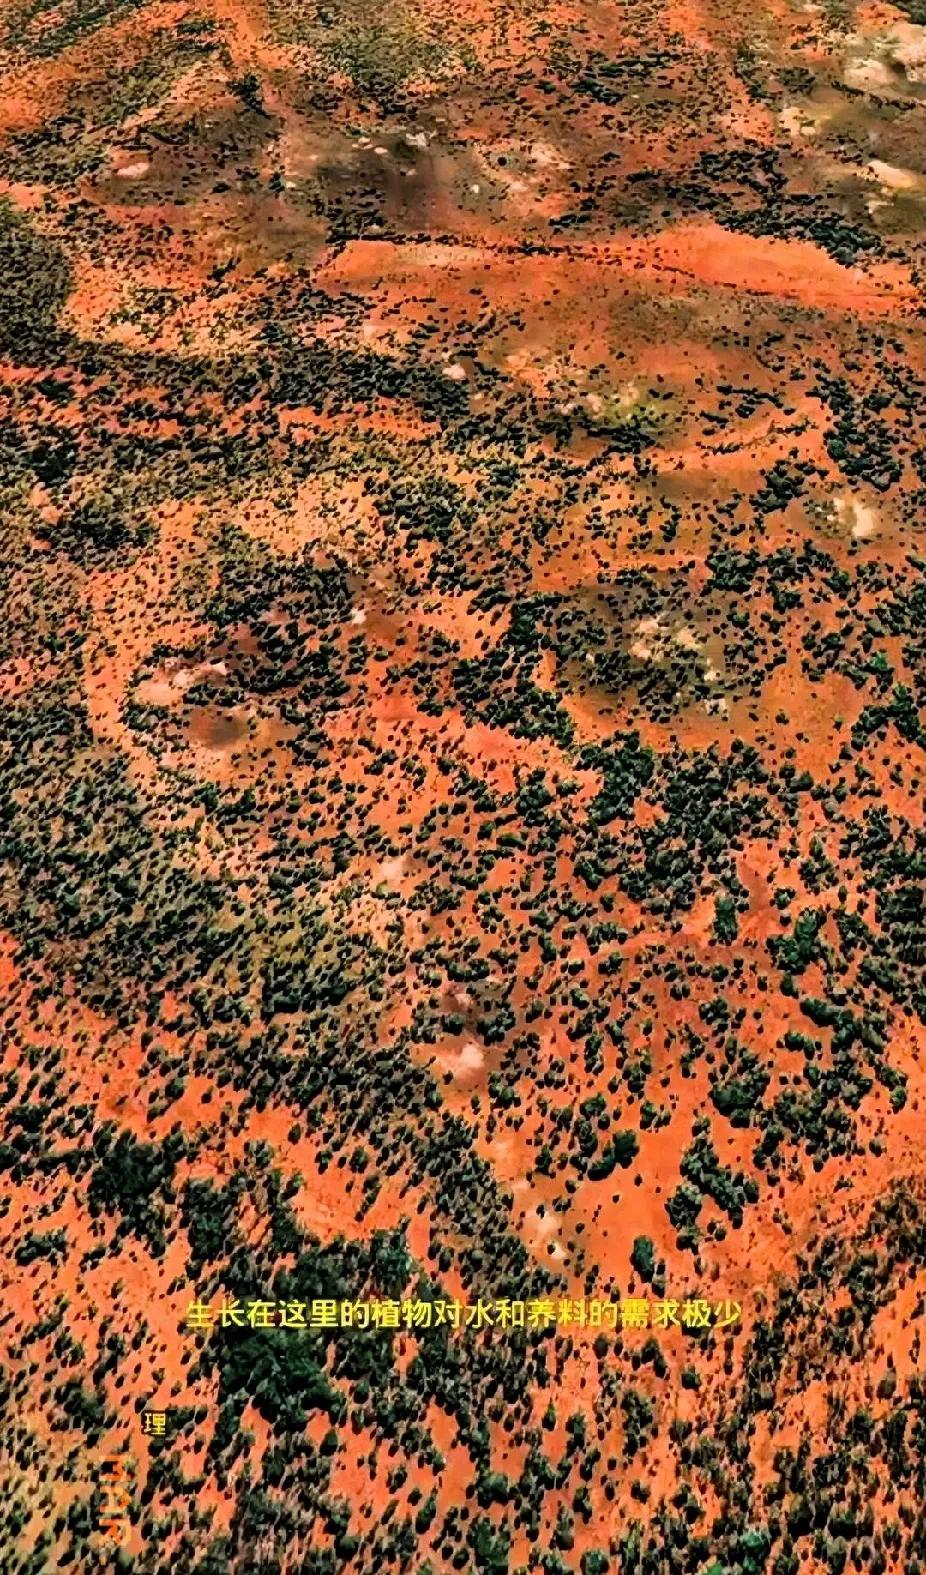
[462, 766]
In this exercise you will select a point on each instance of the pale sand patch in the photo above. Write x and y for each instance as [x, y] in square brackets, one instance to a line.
[857, 516]
[465, 1065]
[894, 178]
[911, 53]
[543, 1225]
[872, 57]
[544, 154]
[391, 870]
[870, 74]
[649, 633]
[169, 687]
[797, 122]
[471, 1057]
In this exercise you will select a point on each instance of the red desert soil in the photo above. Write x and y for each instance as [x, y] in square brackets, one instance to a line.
[462, 728]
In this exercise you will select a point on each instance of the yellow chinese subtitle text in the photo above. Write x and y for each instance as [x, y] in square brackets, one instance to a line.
[384, 1313]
